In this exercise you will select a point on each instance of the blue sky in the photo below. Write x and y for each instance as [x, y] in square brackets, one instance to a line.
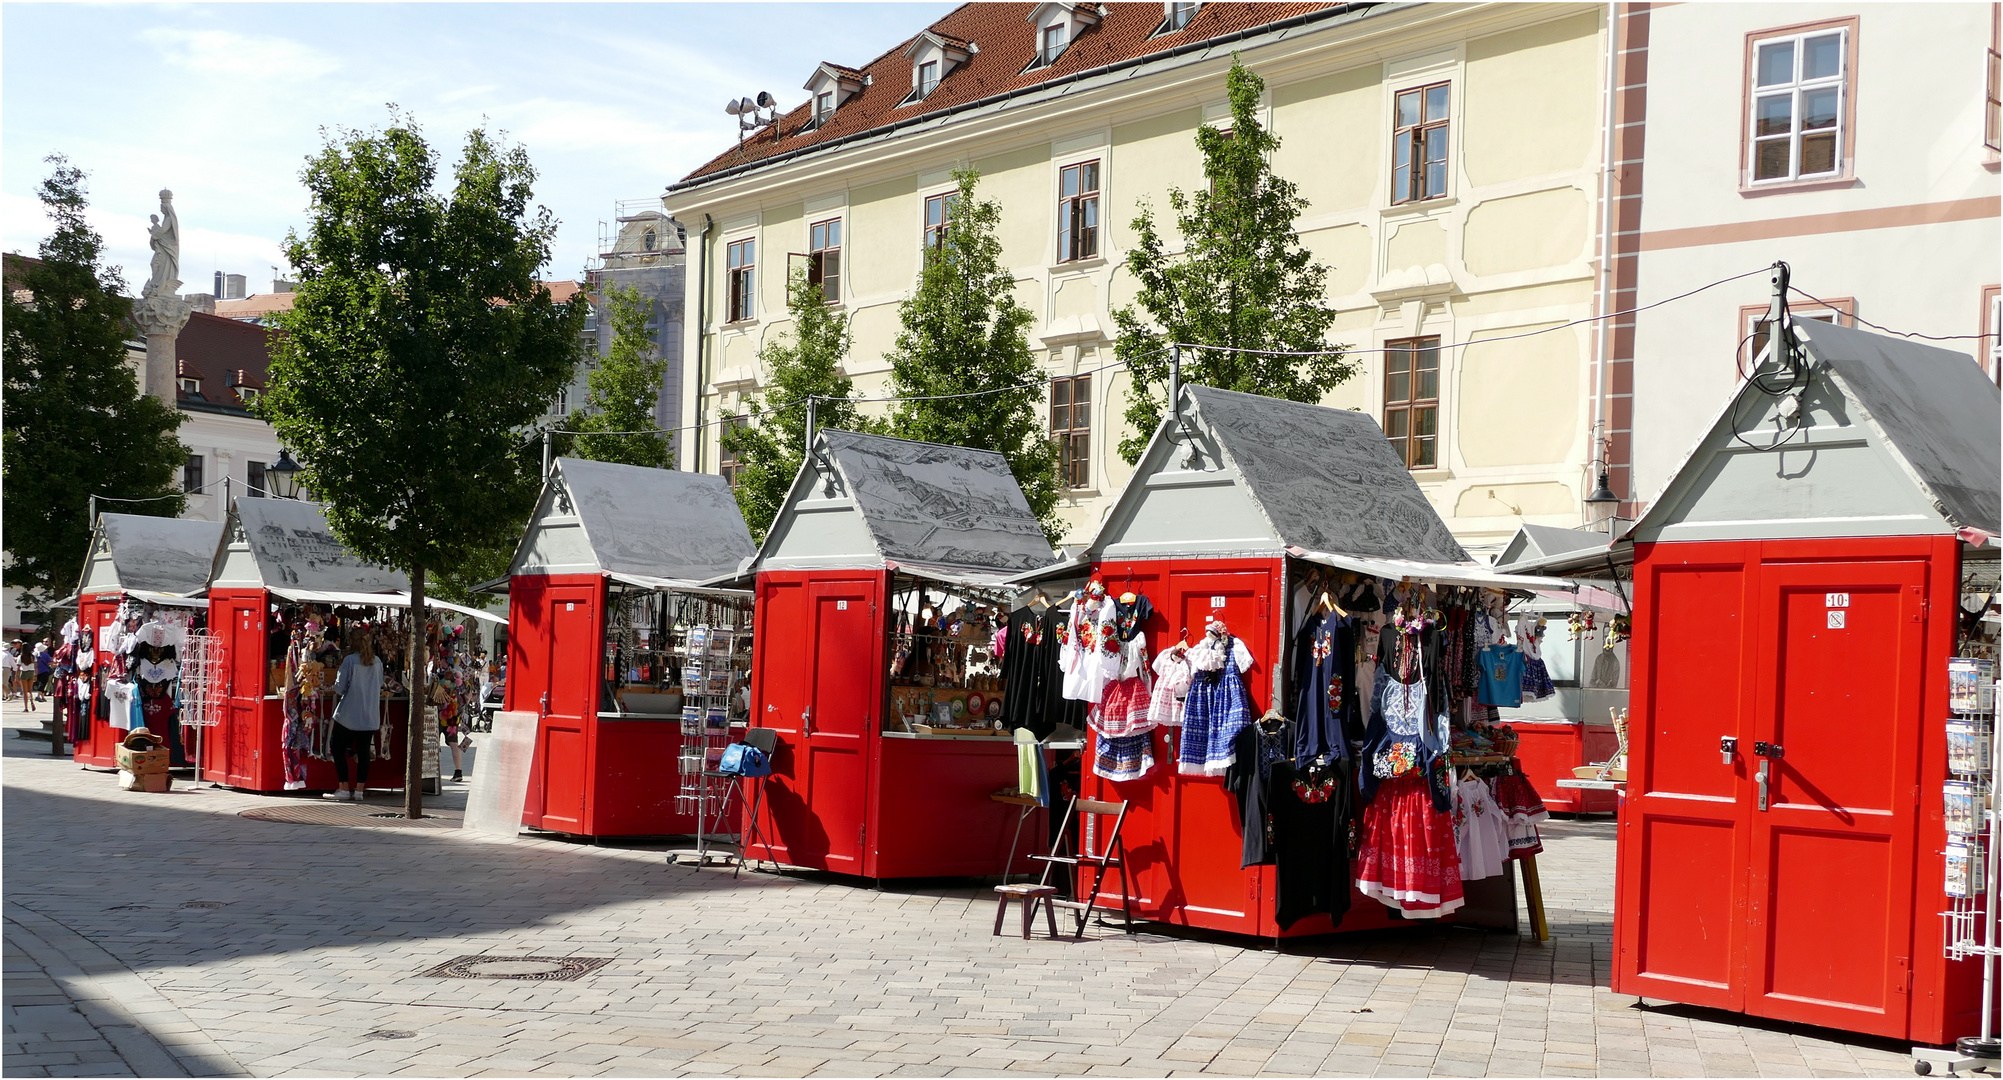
[223, 102]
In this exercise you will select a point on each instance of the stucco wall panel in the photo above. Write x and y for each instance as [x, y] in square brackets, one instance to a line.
[1530, 100]
[1416, 243]
[1526, 232]
[1503, 382]
[1515, 500]
[880, 238]
[1332, 137]
[1345, 250]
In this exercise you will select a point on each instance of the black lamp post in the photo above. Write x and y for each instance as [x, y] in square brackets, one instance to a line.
[282, 476]
[1603, 506]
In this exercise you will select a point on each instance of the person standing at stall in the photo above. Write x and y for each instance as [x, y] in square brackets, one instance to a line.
[45, 666]
[358, 716]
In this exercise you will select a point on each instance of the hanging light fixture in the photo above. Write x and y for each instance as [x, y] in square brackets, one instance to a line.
[282, 476]
[1603, 506]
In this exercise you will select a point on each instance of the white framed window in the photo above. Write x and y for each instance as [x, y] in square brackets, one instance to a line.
[1050, 45]
[741, 261]
[1177, 14]
[1798, 94]
[824, 107]
[824, 258]
[928, 80]
[1078, 211]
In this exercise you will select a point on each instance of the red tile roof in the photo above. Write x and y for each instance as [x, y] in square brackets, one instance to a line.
[213, 349]
[1007, 44]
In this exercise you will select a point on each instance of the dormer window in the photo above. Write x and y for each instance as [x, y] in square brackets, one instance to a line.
[831, 86]
[933, 57]
[191, 386]
[247, 394]
[1177, 14]
[1051, 46]
[1058, 23]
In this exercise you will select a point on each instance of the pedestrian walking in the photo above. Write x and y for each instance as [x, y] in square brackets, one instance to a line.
[24, 673]
[45, 667]
[358, 716]
[10, 669]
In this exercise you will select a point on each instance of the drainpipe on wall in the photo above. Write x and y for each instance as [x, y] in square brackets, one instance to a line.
[1603, 341]
[701, 335]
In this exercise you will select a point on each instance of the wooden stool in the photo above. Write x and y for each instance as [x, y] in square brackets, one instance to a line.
[1028, 894]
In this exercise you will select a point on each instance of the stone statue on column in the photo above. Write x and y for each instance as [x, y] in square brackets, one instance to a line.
[160, 312]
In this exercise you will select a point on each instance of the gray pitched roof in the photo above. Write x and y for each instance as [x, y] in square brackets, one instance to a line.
[1938, 410]
[1327, 479]
[939, 505]
[1535, 545]
[159, 554]
[657, 522]
[293, 546]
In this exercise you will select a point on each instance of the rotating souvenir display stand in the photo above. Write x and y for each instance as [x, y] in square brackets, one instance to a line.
[139, 565]
[281, 585]
[1795, 595]
[1237, 500]
[636, 672]
[873, 588]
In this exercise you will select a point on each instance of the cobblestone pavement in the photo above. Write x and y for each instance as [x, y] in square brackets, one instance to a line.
[166, 934]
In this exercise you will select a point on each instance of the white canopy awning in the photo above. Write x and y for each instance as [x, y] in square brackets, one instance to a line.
[673, 584]
[382, 599]
[1437, 573]
[167, 599]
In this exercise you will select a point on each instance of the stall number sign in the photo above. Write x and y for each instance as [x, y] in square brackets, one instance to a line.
[1216, 601]
[1836, 602]
[841, 605]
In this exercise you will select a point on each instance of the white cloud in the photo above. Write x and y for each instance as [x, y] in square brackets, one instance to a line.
[228, 55]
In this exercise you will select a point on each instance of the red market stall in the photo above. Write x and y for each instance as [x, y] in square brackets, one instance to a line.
[878, 589]
[283, 595]
[1245, 509]
[137, 566]
[634, 672]
[1798, 836]
[1574, 726]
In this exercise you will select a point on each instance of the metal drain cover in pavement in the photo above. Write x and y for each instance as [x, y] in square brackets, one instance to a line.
[388, 1034]
[523, 968]
[300, 812]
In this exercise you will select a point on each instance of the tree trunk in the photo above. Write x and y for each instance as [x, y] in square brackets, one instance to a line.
[414, 727]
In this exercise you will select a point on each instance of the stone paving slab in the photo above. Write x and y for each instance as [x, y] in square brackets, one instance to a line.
[278, 948]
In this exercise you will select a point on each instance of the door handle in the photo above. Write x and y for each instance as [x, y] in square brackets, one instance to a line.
[543, 706]
[1767, 750]
[806, 722]
[1761, 777]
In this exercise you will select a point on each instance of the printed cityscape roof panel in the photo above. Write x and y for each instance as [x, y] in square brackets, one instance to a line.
[939, 505]
[867, 501]
[150, 554]
[1327, 478]
[1535, 545]
[1887, 437]
[658, 523]
[289, 544]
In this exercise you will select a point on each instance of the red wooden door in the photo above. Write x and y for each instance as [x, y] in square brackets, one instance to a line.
[1680, 912]
[779, 702]
[1204, 878]
[571, 661]
[842, 705]
[1832, 868]
[249, 675]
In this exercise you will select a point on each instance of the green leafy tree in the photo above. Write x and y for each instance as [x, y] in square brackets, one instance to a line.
[418, 349]
[963, 334]
[1242, 280]
[617, 422]
[769, 448]
[76, 421]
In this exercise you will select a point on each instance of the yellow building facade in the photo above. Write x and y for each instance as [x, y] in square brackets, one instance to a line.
[1475, 265]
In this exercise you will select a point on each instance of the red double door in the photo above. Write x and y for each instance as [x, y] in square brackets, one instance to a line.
[818, 682]
[1778, 845]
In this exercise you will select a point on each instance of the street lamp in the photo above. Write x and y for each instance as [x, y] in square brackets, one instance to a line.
[282, 476]
[1602, 506]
